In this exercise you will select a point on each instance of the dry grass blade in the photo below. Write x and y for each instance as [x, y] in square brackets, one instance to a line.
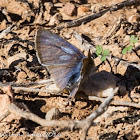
[115, 102]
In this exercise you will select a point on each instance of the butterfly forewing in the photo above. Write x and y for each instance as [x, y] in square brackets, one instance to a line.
[61, 58]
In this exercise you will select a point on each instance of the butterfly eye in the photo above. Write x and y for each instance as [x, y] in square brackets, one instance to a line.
[67, 50]
[65, 57]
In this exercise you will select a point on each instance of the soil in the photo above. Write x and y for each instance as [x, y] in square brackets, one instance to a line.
[18, 63]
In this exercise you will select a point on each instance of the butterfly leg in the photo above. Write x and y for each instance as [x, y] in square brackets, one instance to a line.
[73, 92]
[75, 88]
[71, 98]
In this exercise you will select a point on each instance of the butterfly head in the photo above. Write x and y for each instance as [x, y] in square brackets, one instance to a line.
[88, 64]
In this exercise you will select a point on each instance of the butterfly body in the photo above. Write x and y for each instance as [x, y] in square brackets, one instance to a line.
[66, 64]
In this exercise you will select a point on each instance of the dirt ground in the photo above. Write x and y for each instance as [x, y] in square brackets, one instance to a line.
[18, 63]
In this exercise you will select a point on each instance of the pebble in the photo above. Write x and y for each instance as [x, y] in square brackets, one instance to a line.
[22, 76]
[69, 9]
[54, 20]
[3, 24]
[82, 10]
[134, 18]
[53, 114]
[48, 6]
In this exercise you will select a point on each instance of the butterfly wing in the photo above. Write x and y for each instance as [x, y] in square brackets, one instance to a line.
[61, 58]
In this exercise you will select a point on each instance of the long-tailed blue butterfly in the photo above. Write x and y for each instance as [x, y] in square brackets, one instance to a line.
[66, 64]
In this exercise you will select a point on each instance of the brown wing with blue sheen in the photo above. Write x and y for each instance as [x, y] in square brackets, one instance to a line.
[61, 58]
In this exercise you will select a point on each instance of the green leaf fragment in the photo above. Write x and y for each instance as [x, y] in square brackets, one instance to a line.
[103, 58]
[124, 51]
[105, 52]
[133, 39]
[130, 48]
[136, 40]
[99, 50]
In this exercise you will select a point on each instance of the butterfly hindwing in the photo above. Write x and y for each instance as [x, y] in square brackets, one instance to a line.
[61, 58]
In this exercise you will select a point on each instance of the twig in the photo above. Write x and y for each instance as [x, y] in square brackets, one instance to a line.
[3, 116]
[125, 62]
[79, 21]
[27, 84]
[113, 29]
[115, 102]
[34, 90]
[92, 16]
[6, 31]
[16, 86]
[67, 125]
[4, 11]
[32, 83]
[28, 89]
[102, 108]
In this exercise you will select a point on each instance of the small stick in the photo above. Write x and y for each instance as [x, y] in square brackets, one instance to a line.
[6, 31]
[85, 124]
[32, 83]
[34, 90]
[3, 116]
[67, 125]
[93, 16]
[115, 102]
[27, 84]
[113, 29]
[16, 86]
[4, 11]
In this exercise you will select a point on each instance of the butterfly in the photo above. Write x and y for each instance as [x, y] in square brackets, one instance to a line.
[66, 64]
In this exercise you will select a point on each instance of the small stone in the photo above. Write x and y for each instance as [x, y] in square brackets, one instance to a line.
[96, 8]
[82, 10]
[3, 25]
[126, 38]
[22, 76]
[47, 16]
[69, 9]
[48, 6]
[53, 114]
[54, 1]
[55, 20]
[134, 18]
[58, 5]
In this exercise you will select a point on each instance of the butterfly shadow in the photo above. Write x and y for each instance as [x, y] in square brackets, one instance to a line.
[34, 107]
[129, 81]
